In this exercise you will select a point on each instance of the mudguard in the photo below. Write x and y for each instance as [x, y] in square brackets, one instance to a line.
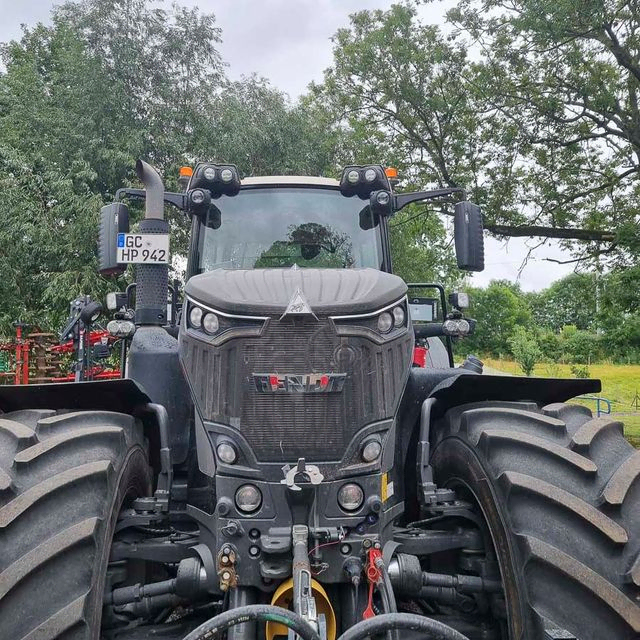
[452, 387]
[123, 396]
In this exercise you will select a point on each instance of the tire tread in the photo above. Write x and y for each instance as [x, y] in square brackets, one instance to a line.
[567, 485]
[576, 571]
[44, 552]
[569, 502]
[69, 464]
[620, 482]
[24, 501]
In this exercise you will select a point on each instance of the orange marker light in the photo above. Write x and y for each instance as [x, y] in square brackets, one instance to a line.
[391, 173]
[186, 172]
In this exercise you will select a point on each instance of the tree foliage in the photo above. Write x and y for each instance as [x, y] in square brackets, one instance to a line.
[568, 73]
[525, 349]
[499, 309]
[572, 300]
[109, 82]
[568, 324]
[532, 106]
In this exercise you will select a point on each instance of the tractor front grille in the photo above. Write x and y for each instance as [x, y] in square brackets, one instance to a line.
[281, 427]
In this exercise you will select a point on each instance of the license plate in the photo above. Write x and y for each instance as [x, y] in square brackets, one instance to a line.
[143, 248]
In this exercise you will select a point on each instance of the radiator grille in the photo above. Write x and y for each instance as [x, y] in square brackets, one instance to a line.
[282, 427]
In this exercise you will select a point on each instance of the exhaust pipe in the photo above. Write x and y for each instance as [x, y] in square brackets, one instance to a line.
[154, 207]
[152, 280]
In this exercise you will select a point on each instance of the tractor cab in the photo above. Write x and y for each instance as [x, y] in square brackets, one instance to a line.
[277, 222]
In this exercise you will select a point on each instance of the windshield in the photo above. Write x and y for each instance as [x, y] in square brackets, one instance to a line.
[283, 226]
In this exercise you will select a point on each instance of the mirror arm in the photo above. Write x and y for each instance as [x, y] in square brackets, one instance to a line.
[429, 330]
[178, 200]
[401, 200]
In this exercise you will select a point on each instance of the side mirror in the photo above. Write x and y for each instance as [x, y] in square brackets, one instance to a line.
[114, 219]
[467, 230]
[423, 309]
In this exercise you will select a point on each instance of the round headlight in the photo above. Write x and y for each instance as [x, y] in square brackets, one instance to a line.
[450, 327]
[399, 316]
[383, 198]
[195, 317]
[248, 498]
[350, 496]
[371, 450]
[385, 322]
[226, 175]
[353, 176]
[227, 452]
[121, 328]
[370, 175]
[463, 326]
[209, 173]
[211, 323]
[198, 196]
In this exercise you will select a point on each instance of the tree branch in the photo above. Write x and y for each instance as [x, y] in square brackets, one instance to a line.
[551, 232]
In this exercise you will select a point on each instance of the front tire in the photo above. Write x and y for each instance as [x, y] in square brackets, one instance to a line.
[560, 492]
[63, 479]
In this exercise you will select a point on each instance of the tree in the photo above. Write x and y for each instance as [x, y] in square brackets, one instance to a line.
[525, 349]
[499, 310]
[164, 65]
[420, 248]
[109, 82]
[619, 318]
[578, 347]
[45, 259]
[395, 86]
[394, 92]
[568, 73]
[263, 133]
[571, 300]
[534, 115]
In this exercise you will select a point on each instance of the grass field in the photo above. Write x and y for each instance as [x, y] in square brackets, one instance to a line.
[620, 383]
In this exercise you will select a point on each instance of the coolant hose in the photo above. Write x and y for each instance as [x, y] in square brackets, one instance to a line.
[432, 629]
[215, 627]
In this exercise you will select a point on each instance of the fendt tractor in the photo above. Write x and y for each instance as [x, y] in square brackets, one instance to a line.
[273, 464]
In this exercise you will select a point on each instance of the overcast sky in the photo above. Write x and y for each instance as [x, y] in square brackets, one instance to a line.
[288, 41]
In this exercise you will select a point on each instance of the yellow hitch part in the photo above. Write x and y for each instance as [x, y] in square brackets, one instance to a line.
[283, 597]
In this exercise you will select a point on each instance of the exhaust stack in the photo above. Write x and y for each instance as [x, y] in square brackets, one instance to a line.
[152, 280]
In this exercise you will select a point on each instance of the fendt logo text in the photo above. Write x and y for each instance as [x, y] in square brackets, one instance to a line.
[299, 383]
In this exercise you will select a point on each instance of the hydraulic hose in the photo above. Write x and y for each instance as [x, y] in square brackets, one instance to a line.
[386, 587]
[215, 627]
[432, 629]
[387, 596]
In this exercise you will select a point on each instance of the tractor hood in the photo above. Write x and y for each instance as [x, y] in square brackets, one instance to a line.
[271, 291]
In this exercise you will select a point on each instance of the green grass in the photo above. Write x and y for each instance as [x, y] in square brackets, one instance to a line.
[619, 385]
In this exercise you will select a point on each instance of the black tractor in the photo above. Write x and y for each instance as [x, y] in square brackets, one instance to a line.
[273, 463]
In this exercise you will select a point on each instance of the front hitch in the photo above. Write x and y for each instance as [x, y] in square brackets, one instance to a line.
[304, 603]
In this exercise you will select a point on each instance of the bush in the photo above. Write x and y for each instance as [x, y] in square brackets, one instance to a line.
[579, 347]
[550, 345]
[525, 349]
[580, 371]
